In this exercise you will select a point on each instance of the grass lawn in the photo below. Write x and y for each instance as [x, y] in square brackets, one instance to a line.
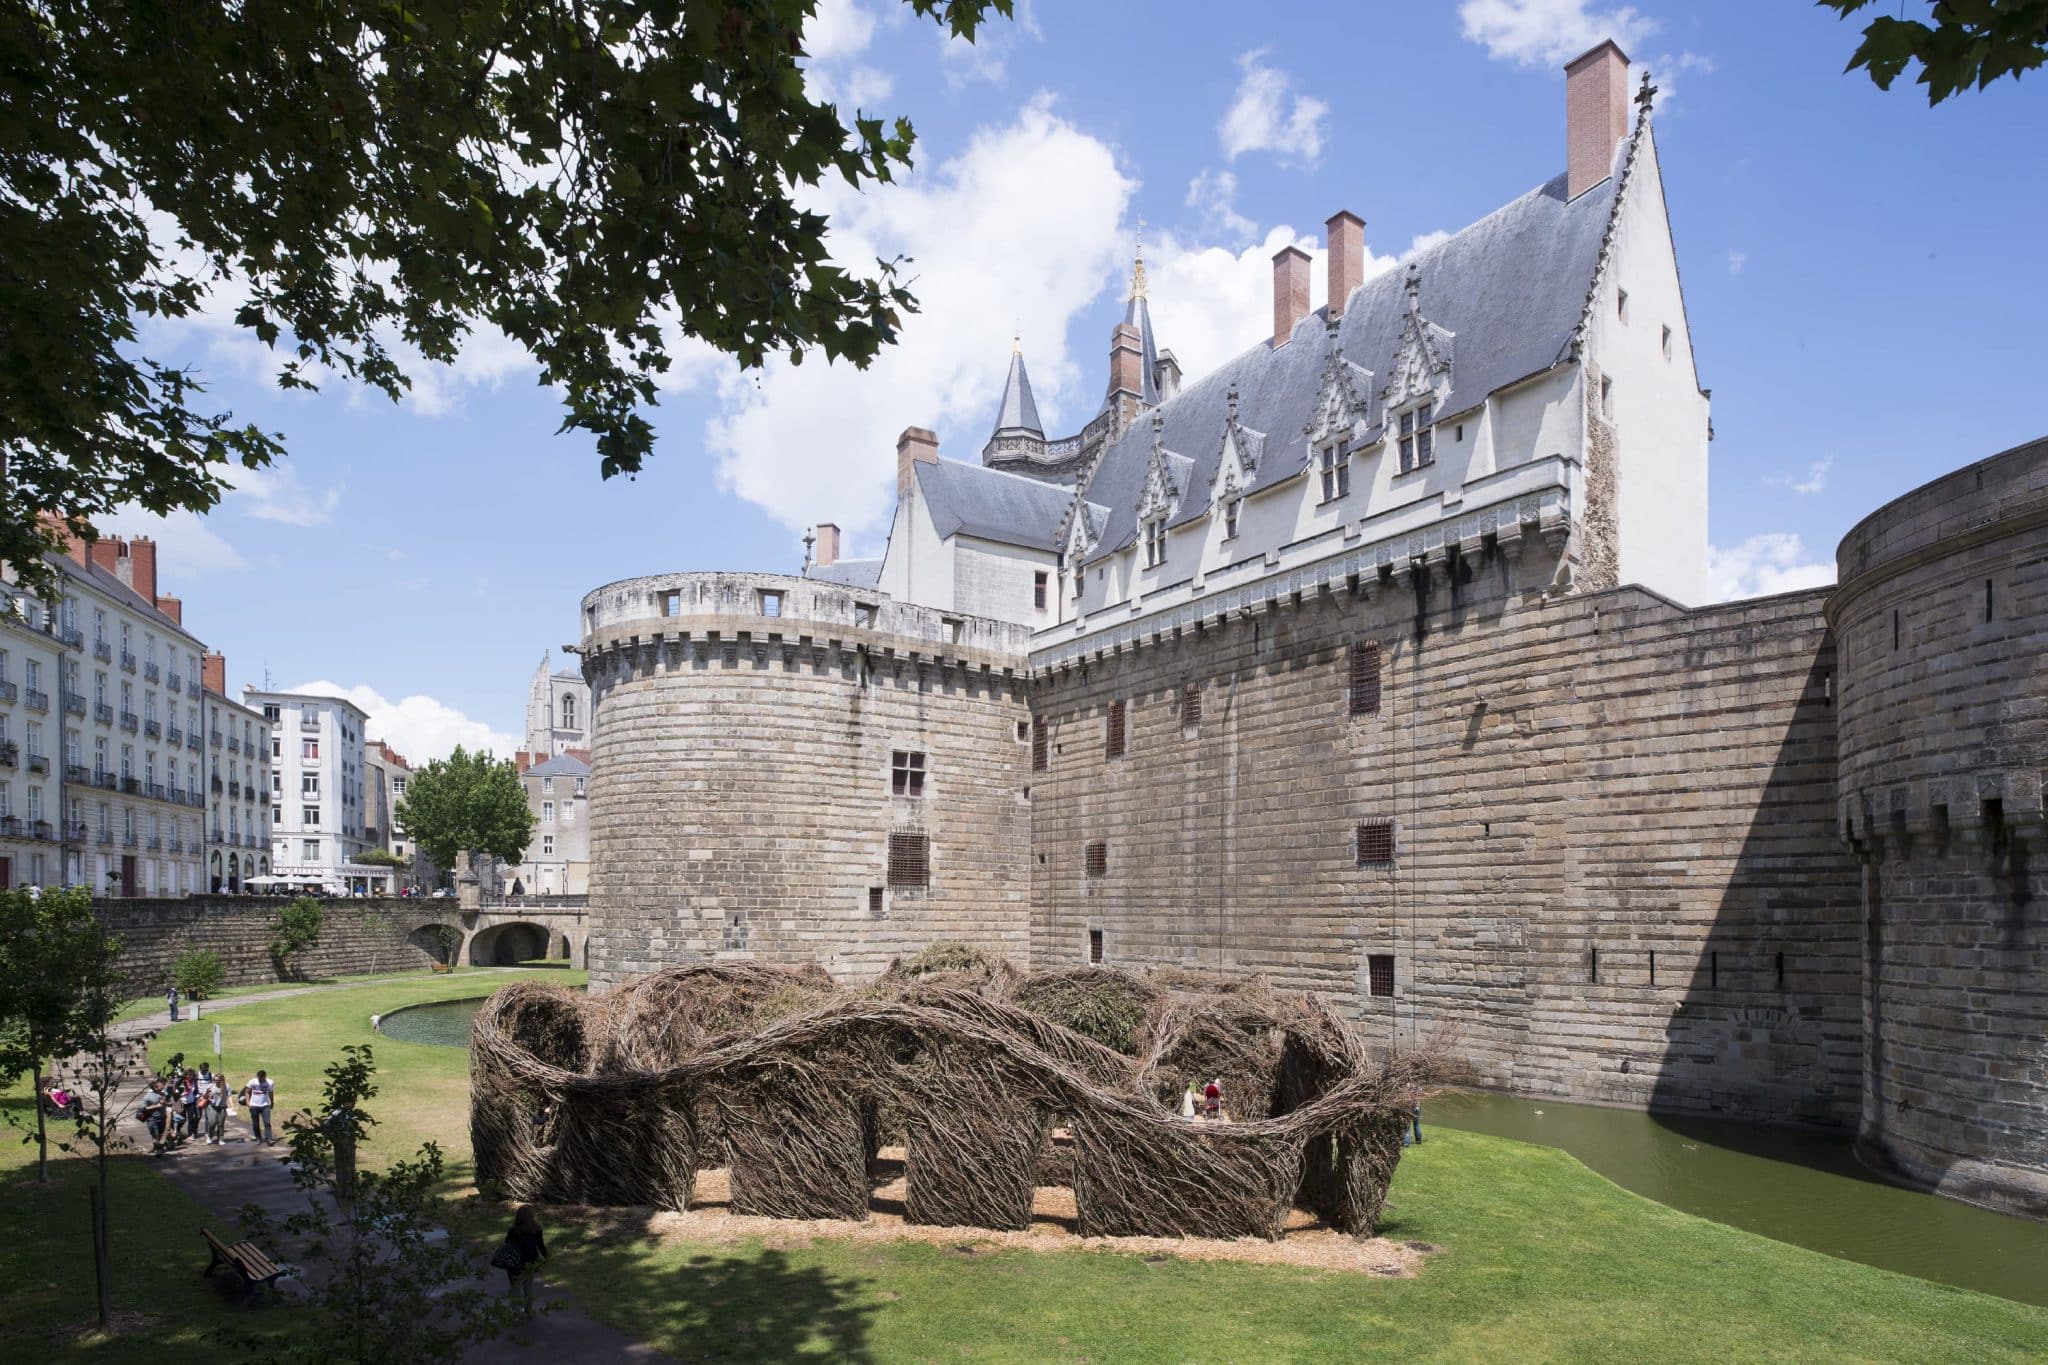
[153, 1004]
[1542, 1259]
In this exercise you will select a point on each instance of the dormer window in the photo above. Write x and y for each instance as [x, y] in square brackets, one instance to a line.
[1155, 542]
[1230, 511]
[1335, 467]
[1418, 444]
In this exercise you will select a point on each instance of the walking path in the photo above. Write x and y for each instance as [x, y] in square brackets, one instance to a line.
[242, 1171]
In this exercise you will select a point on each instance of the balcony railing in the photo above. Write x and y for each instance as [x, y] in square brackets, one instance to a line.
[173, 683]
[132, 786]
[253, 841]
[128, 840]
[214, 739]
[71, 635]
[34, 700]
[175, 736]
[153, 844]
[153, 728]
[45, 830]
[10, 755]
[216, 834]
[173, 845]
[192, 740]
[249, 792]
[10, 826]
[39, 763]
[102, 651]
[155, 791]
[178, 795]
[74, 832]
[74, 704]
[103, 713]
[130, 722]
[9, 692]
[127, 662]
[152, 673]
[309, 722]
[77, 772]
[234, 745]
[215, 783]
[103, 777]
[105, 837]
[234, 791]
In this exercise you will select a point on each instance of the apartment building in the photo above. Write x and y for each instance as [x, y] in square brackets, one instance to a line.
[317, 825]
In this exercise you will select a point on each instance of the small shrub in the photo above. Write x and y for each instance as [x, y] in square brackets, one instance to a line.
[293, 929]
[947, 957]
[197, 971]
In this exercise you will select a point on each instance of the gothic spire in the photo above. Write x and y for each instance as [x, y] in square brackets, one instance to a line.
[1018, 413]
[1140, 317]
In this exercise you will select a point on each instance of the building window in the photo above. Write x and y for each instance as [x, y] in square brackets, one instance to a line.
[906, 772]
[547, 845]
[569, 712]
[1038, 748]
[953, 627]
[878, 905]
[1095, 858]
[1335, 467]
[547, 786]
[1379, 973]
[1230, 511]
[771, 602]
[1606, 397]
[1038, 584]
[1155, 542]
[547, 812]
[309, 816]
[309, 849]
[1190, 705]
[1113, 731]
[309, 784]
[1095, 945]
[1418, 442]
[1667, 343]
[579, 786]
[909, 861]
[672, 602]
[864, 613]
[1365, 678]
[309, 748]
[1376, 843]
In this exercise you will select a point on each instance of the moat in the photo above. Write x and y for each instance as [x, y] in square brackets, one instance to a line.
[1800, 1187]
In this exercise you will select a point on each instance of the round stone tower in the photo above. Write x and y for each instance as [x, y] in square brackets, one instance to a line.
[791, 770]
[1941, 622]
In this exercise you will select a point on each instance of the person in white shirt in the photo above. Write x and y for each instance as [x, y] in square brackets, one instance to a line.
[259, 1095]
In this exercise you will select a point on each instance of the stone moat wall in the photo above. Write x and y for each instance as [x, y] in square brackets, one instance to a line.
[1942, 618]
[356, 936]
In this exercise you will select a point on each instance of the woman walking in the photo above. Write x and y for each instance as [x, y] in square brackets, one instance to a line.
[524, 1249]
[257, 1097]
[219, 1105]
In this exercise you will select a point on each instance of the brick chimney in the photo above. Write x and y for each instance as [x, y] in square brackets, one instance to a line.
[1290, 291]
[1127, 360]
[1595, 115]
[74, 544]
[108, 552]
[142, 567]
[1345, 236]
[828, 544]
[914, 445]
[213, 671]
[172, 607]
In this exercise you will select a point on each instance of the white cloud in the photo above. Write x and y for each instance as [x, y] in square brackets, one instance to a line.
[1814, 480]
[1776, 561]
[186, 546]
[991, 250]
[987, 58]
[837, 33]
[838, 29]
[1267, 116]
[1422, 242]
[1737, 260]
[418, 726]
[1549, 32]
[1212, 192]
[278, 494]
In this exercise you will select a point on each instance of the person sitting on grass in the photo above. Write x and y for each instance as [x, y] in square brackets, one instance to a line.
[63, 1104]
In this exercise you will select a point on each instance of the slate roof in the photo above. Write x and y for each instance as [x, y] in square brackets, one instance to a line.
[1010, 508]
[1138, 315]
[853, 573]
[561, 765]
[1511, 287]
[113, 587]
[1018, 415]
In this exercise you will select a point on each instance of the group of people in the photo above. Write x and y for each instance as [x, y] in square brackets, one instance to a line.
[178, 1108]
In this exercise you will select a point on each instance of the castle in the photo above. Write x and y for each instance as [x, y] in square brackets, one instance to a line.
[1363, 663]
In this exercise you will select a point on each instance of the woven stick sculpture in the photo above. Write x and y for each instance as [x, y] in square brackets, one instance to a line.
[793, 1084]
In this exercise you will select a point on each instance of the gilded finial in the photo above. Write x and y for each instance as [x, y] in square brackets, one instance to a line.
[1646, 93]
[1138, 266]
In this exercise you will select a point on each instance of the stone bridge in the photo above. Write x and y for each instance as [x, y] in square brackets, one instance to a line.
[498, 934]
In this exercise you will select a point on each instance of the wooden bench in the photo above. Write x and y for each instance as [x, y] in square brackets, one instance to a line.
[257, 1270]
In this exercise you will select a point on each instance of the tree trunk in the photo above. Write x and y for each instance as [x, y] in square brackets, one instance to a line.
[99, 1255]
[35, 1072]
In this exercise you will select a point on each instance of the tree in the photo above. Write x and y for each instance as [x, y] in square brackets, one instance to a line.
[397, 1288]
[293, 929]
[467, 803]
[1967, 42]
[367, 182]
[47, 942]
[196, 971]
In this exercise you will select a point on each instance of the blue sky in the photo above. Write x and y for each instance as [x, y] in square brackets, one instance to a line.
[1862, 277]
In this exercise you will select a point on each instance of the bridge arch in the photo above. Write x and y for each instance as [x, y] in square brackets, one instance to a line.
[510, 942]
[439, 940]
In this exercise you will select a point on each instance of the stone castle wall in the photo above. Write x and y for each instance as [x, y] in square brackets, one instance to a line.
[1942, 615]
[741, 797]
[1614, 879]
[356, 936]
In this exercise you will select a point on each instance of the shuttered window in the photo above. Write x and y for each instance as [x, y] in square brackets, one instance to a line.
[1113, 738]
[1376, 843]
[1037, 745]
[1095, 858]
[1365, 679]
[909, 860]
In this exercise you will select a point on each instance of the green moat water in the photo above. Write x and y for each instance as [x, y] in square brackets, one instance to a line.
[1798, 1187]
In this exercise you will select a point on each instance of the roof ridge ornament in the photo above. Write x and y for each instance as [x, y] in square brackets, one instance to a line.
[1646, 95]
[1138, 266]
[1413, 286]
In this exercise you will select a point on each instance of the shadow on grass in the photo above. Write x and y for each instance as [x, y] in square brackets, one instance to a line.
[760, 1307]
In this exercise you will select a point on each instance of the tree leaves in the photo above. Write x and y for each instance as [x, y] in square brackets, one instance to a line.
[1969, 43]
[467, 803]
[568, 171]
